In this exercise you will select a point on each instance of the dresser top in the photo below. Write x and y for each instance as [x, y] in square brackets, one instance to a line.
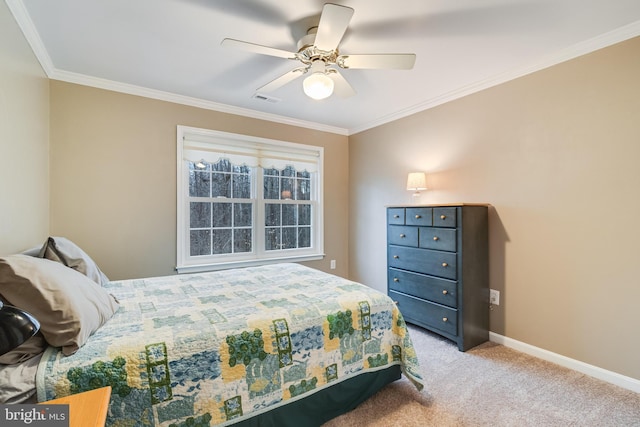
[435, 205]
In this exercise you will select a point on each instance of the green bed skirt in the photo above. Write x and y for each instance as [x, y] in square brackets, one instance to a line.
[327, 403]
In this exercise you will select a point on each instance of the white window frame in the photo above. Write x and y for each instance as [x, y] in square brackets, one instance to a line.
[189, 141]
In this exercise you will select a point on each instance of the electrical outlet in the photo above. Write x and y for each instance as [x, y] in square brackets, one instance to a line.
[333, 264]
[494, 297]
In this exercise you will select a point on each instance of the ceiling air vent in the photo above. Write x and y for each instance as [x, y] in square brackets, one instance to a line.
[267, 98]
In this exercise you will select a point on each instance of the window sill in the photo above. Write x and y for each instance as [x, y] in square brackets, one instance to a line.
[184, 269]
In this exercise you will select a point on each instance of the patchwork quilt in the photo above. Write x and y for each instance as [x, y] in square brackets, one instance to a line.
[215, 348]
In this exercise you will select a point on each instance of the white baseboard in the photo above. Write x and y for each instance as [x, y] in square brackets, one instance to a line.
[594, 371]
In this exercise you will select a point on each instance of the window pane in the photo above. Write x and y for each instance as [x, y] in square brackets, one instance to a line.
[242, 240]
[271, 188]
[199, 183]
[304, 189]
[304, 174]
[223, 165]
[289, 171]
[271, 214]
[286, 188]
[242, 215]
[242, 186]
[220, 185]
[200, 242]
[272, 239]
[221, 214]
[289, 238]
[271, 172]
[304, 237]
[304, 214]
[199, 215]
[289, 214]
[241, 169]
[221, 242]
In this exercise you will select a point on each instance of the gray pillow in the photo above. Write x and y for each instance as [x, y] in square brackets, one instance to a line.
[68, 253]
[28, 349]
[19, 382]
[69, 306]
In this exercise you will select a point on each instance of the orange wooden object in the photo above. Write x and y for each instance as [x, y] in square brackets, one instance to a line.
[88, 409]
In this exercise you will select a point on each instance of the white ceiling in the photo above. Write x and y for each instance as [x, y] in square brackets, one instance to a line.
[170, 49]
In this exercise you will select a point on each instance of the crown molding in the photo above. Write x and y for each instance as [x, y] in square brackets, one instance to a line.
[25, 23]
[130, 89]
[23, 19]
[21, 15]
[607, 39]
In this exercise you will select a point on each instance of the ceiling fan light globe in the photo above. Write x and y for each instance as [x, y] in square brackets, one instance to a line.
[318, 86]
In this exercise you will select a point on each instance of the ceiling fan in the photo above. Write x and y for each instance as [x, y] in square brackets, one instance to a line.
[318, 52]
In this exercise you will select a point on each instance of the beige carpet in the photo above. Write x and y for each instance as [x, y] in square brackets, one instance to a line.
[492, 385]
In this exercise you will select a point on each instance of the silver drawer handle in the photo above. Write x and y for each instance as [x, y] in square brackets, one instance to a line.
[396, 257]
[395, 279]
[444, 292]
[436, 238]
[396, 216]
[402, 236]
[444, 264]
[418, 216]
[444, 319]
[443, 217]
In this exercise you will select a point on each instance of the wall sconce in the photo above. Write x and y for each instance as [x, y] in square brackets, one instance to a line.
[416, 181]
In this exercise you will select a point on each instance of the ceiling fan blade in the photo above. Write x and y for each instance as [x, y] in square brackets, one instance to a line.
[256, 48]
[395, 61]
[333, 24]
[341, 86]
[282, 80]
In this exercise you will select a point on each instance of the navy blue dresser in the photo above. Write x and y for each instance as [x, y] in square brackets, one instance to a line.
[438, 269]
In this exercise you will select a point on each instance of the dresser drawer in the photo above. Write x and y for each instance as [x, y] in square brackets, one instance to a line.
[444, 217]
[441, 239]
[403, 235]
[395, 216]
[427, 313]
[434, 263]
[419, 216]
[431, 288]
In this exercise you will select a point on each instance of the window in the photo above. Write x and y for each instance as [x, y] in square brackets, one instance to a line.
[245, 201]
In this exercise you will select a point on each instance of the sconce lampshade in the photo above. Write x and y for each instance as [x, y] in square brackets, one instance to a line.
[16, 326]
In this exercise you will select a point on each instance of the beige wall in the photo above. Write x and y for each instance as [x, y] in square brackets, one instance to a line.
[556, 153]
[24, 141]
[113, 176]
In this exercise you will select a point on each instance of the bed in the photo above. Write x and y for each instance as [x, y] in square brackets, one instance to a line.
[280, 344]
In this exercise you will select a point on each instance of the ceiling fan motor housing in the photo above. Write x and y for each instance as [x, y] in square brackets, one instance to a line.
[308, 52]
[308, 39]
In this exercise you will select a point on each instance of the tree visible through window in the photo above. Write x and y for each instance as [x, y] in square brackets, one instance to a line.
[254, 202]
[216, 224]
[287, 223]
